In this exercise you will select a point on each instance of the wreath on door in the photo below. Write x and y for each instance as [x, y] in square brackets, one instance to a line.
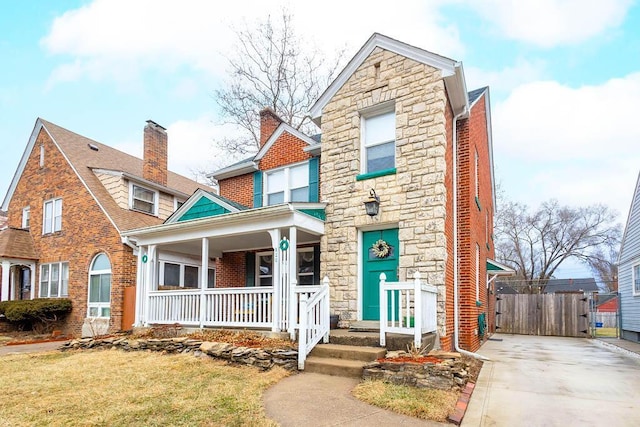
[381, 249]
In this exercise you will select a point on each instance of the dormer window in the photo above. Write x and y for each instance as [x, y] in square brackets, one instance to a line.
[143, 199]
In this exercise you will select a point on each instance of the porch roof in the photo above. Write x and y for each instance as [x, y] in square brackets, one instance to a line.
[234, 231]
[497, 269]
[17, 243]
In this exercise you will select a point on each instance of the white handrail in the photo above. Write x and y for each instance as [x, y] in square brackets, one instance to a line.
[407, 308]
[314, 321]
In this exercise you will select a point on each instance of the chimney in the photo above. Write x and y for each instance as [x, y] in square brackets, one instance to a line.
[269, 121]
[155, 153]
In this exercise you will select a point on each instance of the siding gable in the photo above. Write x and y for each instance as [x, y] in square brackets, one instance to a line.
[203, 208]
[630, 247]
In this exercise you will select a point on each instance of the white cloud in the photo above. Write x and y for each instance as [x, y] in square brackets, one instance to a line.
[506, 79]
[104, 35]
[579, 145]
[549, 23]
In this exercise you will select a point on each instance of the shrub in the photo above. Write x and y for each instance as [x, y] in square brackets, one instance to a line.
[37, 313]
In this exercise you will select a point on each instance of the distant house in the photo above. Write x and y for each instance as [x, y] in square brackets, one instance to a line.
[629, 271]
[554, 286]
[68, 204]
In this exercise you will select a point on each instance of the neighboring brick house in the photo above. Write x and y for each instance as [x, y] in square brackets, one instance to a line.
[397, 123]
[68, 204]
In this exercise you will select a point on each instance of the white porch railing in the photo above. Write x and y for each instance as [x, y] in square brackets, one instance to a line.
[313, 321]
[407, 308]
[235, 307]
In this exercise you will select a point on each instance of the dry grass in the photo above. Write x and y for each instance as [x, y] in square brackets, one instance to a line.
[606, 332]
[113, 388]
[426, 404]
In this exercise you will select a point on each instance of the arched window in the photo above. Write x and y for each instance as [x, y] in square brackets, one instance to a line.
[100, 287]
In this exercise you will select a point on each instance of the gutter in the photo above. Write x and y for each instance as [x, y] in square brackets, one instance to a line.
[126, 240]
[456, 310]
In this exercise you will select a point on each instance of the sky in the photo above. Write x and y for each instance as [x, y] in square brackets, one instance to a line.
[564, 77]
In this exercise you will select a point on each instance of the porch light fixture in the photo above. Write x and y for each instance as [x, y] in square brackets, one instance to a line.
[372, 204]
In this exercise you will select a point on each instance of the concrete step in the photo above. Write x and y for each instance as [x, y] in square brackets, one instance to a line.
[351, 352]
[336, 367]
[372, 339]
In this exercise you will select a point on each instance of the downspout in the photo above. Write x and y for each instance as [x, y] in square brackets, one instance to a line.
[456, 311]
[127, 241]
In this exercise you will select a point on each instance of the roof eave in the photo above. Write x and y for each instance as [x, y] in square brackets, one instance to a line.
[237, 170]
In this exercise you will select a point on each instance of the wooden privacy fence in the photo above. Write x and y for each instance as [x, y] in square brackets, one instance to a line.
[564, 315]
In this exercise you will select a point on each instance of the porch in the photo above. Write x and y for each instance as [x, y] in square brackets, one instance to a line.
[18, 265]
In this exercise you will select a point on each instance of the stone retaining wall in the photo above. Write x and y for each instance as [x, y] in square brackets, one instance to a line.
[261, 358]
[450, 374]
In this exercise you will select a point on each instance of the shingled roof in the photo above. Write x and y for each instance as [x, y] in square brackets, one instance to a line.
[16, 243]
[83, 158]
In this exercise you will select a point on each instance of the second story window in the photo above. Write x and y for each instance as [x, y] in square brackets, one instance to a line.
[52, 218]
[143, 199]
[379, 142]
[290, 184]
[26, 217]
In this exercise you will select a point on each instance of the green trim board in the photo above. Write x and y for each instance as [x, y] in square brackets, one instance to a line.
[314, 179]
[257, 189]
[316, 213]
[376, 174]
[494, 267]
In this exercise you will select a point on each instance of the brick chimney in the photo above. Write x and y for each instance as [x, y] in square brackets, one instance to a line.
[269, 121]
[155, 153]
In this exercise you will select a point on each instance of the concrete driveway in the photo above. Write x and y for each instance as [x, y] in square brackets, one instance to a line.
[553, 381]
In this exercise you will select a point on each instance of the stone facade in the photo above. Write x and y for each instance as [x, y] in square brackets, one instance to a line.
[414, 199]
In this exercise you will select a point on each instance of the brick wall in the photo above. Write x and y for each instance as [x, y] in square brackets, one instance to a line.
[446, 302]
[230, 270]
[475, 224]
[77, 243]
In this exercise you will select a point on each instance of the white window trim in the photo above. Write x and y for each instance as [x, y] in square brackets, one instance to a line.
[98, 305]
[175, 203]
[299, 256]
[376, 110]
[633, 279]
[26, 217]
[298, 252]
[156, 198]
[182, 262]
[53, 215]
[287, 188]
[60, 287]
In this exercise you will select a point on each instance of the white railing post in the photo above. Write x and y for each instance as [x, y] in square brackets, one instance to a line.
[302, 335]
[327, 310]
[204, 278]
[383, 309]
[417, 311]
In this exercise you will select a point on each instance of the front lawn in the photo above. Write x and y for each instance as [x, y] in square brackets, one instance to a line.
[118, 388]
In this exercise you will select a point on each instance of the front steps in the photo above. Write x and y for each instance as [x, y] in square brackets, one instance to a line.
[341, 360]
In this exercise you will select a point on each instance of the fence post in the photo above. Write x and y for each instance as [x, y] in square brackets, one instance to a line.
[383, 310]
[302, 332]
[327, 309]
[417, 311]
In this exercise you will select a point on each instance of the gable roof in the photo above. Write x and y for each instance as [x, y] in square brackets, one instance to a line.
[474, 96]
[83, 159]
[452, 72]
[282, 128]
[17, 243]
[631, 228]
[571, 285]
[203, 204]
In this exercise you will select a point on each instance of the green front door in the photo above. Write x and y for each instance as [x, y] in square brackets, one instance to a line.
[375, 261]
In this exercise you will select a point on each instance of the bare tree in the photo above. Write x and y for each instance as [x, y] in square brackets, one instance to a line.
[272, 67]
[536, 243]
[603, 264]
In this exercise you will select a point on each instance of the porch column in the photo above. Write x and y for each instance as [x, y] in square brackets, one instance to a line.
[148, 281]
[275, 243]
[6, 269]
[140, 288]
[294, 306]
[204, 276]
[32, 279]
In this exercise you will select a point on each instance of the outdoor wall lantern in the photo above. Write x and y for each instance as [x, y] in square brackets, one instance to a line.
[372, 204]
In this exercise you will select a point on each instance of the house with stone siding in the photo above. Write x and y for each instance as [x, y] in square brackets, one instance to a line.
[400, 132]
[68, 204]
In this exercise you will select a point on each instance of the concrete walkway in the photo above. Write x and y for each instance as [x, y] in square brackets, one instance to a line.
[30, 348]
[323, 400]
[554, 381]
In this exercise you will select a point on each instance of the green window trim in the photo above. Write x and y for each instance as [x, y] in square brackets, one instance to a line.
[376, 174]
[257, 189]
